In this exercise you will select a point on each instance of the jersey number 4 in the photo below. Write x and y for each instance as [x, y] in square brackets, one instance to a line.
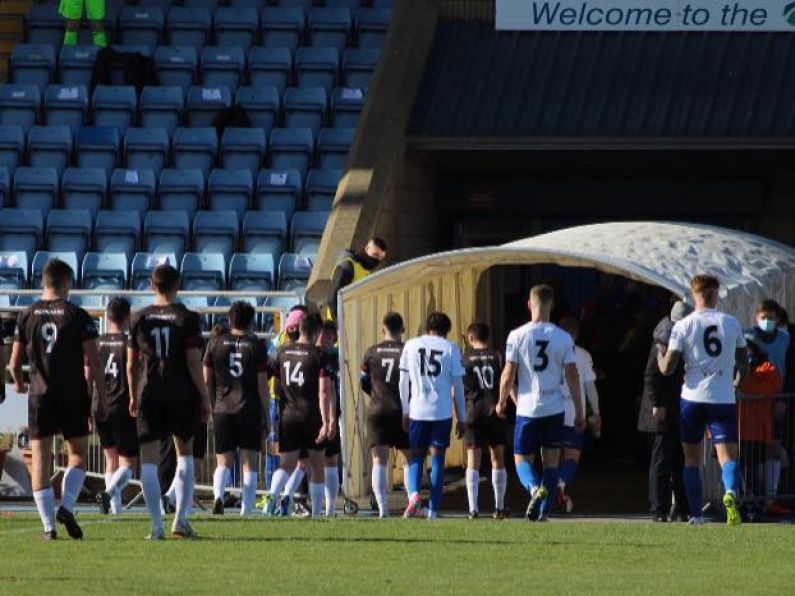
[294, 376]
[430, 365]
[111, 366]
[712, 343]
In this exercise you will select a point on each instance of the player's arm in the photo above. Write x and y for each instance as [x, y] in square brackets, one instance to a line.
[668, 360]
[364, 379]
[15, 366]
[193, 357]
[459, 405]
[326, 397]
[573, 381]
[264, 399]
[97, 372]
[209, 378]
[742, 365]
[132, 379]
[507, 386]
[2, 368]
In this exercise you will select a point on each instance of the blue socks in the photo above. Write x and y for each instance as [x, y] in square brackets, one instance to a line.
[692, 480]
[567, 470]
[527, 475]
[551, 476]
[437, 481]
[729, 473]
[415, 474]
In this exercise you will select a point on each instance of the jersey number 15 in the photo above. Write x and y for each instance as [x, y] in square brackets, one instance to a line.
[430, 365]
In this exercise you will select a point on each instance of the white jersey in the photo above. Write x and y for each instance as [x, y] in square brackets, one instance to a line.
[540, 351]
[431, 363]
[707, 340]
[584, 364]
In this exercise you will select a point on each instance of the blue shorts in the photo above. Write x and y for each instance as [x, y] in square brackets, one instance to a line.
[430, 433]
[571, 439]
[721, 419]
[532, 433]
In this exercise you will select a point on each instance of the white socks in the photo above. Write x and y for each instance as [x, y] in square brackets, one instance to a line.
[150, 486]
[184, 487]
[220, 480]
[473, 480]
[249, 492]
[332, 490]
[72, 485]
[316, 493]
[45, 503]
[278, 481]
[772, 477]
[499, 480]
[406, 479]
[115, 484]
[379, 482]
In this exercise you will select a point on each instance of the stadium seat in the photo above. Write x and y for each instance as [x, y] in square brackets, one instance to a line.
[141, 26]
[349, 4]
[5, 187]
[372, 25]
[21, 230]
[261, 105]
[40, 260]
[333, 145]
[278, 191]
[236, 27]
[282, 27]
[181, 190]
[104, 271]
[161, 107]
[294, 268]
[98, 147]
[76, 64]
[12, 148]
[117, 232]
[346, 107]
[305, 5]
[166, 232]
[243, 149]
[203, 272]
[211, 5]
[69, 230]
[84, 188]
[264, 232]
[194, 148]
[204, 104]
[132, 190]
[176, 66]
[146, 149]
[143, 264]
[19, 105]
[251, 272]
[115, 106]
[216, 232]
[50, 147]
[13, 270]
[305, 107]
[163, 5]
[259, 4]
[117, 72]
[270, 67]
[66, 105]
[223, 67]
[317, 67]
[44, 25]
[292, 148]
[307, 228]
[330, 27]
[189, 27]
[321, 186]
[358, 65]
[230, 190]
[36, 188]
[32, 64]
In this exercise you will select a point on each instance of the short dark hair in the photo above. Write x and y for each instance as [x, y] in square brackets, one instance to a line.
[311, 324]
[165, 279]
[302, 307]
[218, 329]
[329, 326]
[56, 274]
[393, 323]
[480, 331]
[379, 242]
[241, 314]
[118, 310]
[439, 323]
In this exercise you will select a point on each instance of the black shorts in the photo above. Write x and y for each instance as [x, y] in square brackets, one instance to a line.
[333, 447]
[485, 431]
[200, 441]
[387, 430]
[237, 431]
[118, 431]
[49, 415]
[299, 435]
[159, 420]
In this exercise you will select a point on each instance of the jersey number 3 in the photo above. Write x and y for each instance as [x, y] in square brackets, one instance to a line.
[712, 343]
[542, 358]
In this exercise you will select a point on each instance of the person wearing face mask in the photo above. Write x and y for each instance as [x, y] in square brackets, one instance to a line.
[354, 266]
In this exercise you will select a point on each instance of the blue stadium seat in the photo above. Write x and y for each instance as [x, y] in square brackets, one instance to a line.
[372, 25]
[305, 107]
[223, 67]
[278, 191]
[118, 76]
[321, 186]
[204, 104]
[84, 188]
[270, 67]
[236, 27]
[161, 107]
[333, 145]
[19, 105]
[66, 105]
[259, 4]
[211, 5]
[261, 105]
[69, 230]
[44, 25]
[189, 27]
[166, 232]
[132, 190]
[243, 149]
[264, 232]
[115, 106]
[176, 66]
[317, 67]
[216, 232]
[50, 147]
[203, 272]
[12, 148]
[163, 5]
[143, 264]
[146, 149]
[382, 3]
[32, 64]
[330, 27]
[141, 26]
[40, 260]
[76, 64]
[349, 4]
[5, 187]
[13, 270]
[307, 229]
[21, 230]
[230, 190]
[346, 106]
[36, 188]
[104, 271]
[195, 148]
[181, 190]
[305, 5]
[292, 148]
[358, 65]
[251, 272]
[118, 232]
[98, 147]
[282, 27]
[294, 268]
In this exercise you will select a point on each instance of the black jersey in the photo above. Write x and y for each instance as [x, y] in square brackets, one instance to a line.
[481, 382]
[300, 368]
[236, 360]
[161, 337]
[381, 363]
[53, 332]
[113, 355]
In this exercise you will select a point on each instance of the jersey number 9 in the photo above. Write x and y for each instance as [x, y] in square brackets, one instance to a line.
[49, 333]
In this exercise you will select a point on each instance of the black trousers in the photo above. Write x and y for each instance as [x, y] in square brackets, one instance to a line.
[665, 472]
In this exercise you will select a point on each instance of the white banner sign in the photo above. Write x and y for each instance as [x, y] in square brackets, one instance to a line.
[646, 15]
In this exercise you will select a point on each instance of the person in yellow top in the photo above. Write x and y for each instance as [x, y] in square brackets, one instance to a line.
[352, 267]
[72, 11]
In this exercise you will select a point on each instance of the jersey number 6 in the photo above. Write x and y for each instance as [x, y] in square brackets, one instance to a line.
[712, 343]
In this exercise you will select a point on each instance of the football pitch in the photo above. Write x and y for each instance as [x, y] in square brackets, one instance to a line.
[369, 556]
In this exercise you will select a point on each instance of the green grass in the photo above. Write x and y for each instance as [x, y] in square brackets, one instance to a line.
[367, 556]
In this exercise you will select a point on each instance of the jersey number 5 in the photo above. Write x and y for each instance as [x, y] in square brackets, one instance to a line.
[542, 358]
[236, 364]
[430, 366]
[712, 343]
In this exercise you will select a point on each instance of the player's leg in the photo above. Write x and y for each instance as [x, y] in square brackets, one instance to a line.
[419, 441]
[499, 479]
[288, 459]
[127, 448]
[440, 441]
[184, 486]
[378, 479]
[150, 483]
[569, 460]
[95, 11]
[105, 497]
[474, 456]
[293, 485]
[524, 450]
[660, 466]
[250, 461]
[223, 472]
[331, 476]
[43, 494]
[406, 454]
[692, 423]
[317, 485]
[72, 12]
[724, 430]
[550, 456]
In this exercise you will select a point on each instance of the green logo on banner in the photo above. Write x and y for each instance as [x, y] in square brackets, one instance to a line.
[789, 12]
